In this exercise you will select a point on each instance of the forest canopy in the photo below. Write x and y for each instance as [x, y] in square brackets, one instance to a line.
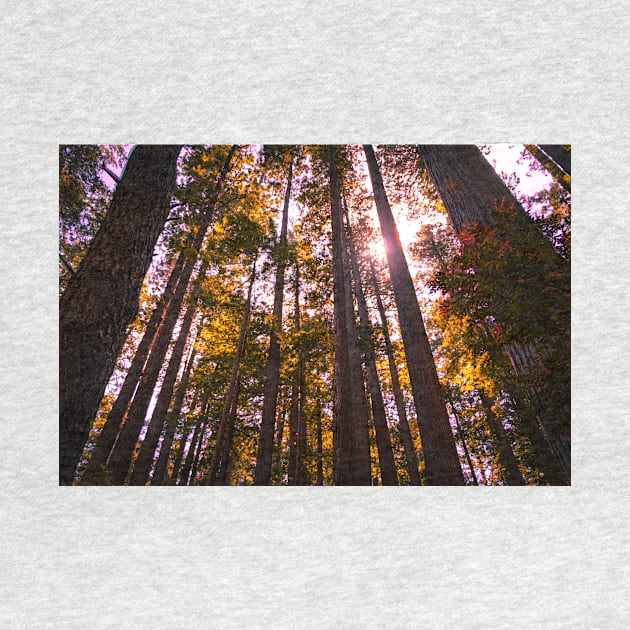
[314, 315]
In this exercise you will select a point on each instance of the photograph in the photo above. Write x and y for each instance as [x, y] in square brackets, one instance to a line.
[315, 315]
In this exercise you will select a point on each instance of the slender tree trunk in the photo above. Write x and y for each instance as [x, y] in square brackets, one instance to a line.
[225, 465]
[320, 445]
[223, 441]
[403, 424]
[506, 459]
[559, 154]
[262, 473]
[172, 421]
[115, 418]
[277, 468]
[389, 476]
[442, 465]
[462, 439]
[558, 174]
[144, 461]
[190, 455]
[101, 298]
[350, 425]
[121, 456]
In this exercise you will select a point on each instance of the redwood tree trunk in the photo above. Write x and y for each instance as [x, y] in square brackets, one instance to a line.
[101, 299]
[107, 437]
[389, 476]
[403, 424]
[262, 473]
[559, 154]
[350, 426]
[171, 423]
[442, 465]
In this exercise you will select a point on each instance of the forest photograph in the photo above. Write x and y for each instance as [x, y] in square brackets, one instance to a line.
[315, 315]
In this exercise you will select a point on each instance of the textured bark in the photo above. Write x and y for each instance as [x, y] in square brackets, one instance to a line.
[223, 443]
[505, 455]
[264, 456]
[121, 456]
[172, 421]
[116, 416]
[559, 154]
[350, 425]
[442, 465]
[403, 423]
[389, 476]
[559, 175]
[470, 190]
[144, 461]
[101, 298]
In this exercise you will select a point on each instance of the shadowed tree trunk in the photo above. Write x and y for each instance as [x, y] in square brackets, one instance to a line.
[320, 446]
[144, 461]
[223, 443]
[560, 154]
[277, 468]
[505, 455]
[558, 174]
[262, 473]
[471, 190]
[462, 439]
[101, 298]
[442, 465]
[403, 424]
[108, 435]
[350, 424]
[389, 476]
[172, 420]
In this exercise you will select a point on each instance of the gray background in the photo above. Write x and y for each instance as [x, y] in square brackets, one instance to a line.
[280, 71]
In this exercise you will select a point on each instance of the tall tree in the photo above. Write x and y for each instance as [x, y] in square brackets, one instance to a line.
[272, 371]
[351, 441]
[101, 298]
[389, 476]
[560, 154]
[403, 423]
[442, 465]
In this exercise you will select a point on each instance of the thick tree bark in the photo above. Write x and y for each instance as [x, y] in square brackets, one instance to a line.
[144, 461]
[389, 476]
[471, 190]
[350, 424]
[121, 456]
[101, 298]
[442, 465]
[262, 473]
[223, 442]
[559, 175]
[115, 418]
[403, 423]
[172, 421]
[559, 154]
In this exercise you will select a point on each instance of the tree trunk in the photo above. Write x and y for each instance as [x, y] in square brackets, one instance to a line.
[558, 174]
[262, 473]
[144, 461]
[277, 467]
[471, 190]
[223, 441]
[101, 298]
[403, 424]
[107, 438]
[172, 420]
[389, 476]
[462, 439]
[320, 446]
[505, 455]
[442, 465]
[559, 154]
[192, 451]
[120, 460]
[350, 425]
